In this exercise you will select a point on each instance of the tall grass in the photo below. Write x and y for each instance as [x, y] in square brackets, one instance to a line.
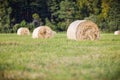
[24, 58]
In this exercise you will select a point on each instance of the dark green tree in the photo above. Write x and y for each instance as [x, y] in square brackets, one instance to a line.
[53, 8]
[58, 14]
[5, 11]
[113, 19]
[68, 12]
[36, 20]
[109, 17]
[89, 7]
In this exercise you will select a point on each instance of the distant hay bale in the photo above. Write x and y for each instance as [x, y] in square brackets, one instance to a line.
[42, 32]
[53, 33]
[117, 32]
[23, 31]
[83, 30]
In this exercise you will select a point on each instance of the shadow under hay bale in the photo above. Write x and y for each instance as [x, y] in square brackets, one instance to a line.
[23, 31]
[117, 32]
[43, 32]
[83, 30]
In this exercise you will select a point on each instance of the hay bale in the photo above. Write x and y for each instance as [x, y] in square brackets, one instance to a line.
[83, 30]
[23, 31]
[117, 32]
[53, 33]
[42, 32]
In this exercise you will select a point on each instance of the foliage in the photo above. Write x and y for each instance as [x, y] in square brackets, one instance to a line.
[31, 26]
[5, 11]
[60, 13]
[67, 14]
[15, 27]
[36, 20]
[23, 23]
[35, 16]
[50, 24]
[53, 8]
[113, 18]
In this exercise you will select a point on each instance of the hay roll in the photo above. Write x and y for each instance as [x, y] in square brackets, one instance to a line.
[117, 32]
[83, 30]
[23, 31]
[42, 32]
[53, 33]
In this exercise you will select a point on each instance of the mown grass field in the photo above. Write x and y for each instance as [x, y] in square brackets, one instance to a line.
[24, 58]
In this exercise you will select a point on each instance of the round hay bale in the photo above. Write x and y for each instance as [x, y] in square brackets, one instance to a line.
[117, 32]
[42, 32]
[23, 31]
[53, 33]
[83, 30]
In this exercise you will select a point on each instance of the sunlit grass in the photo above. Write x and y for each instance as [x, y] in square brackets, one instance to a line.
[22, 57]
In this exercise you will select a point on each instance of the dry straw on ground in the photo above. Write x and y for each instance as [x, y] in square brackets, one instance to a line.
[83, 30]
[117, 32]
[23, 31]
[43, 32]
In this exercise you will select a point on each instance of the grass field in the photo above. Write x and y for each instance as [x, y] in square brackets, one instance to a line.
[24, 58]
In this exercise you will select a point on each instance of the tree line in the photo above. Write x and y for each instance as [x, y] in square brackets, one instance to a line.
[58, 14]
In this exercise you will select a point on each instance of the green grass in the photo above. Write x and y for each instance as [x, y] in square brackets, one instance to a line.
[24, 58]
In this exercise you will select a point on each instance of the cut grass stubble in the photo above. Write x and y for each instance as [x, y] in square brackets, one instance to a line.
[22, 57]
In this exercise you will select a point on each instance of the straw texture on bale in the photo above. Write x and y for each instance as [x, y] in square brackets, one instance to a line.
[53, 33]
[42, 32]
[117, 32]
[83, 30]
[23, 31]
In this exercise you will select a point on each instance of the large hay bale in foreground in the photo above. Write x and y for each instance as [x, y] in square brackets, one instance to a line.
[23, 31]
[83, 30]
[117, 32]
[42, 32]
